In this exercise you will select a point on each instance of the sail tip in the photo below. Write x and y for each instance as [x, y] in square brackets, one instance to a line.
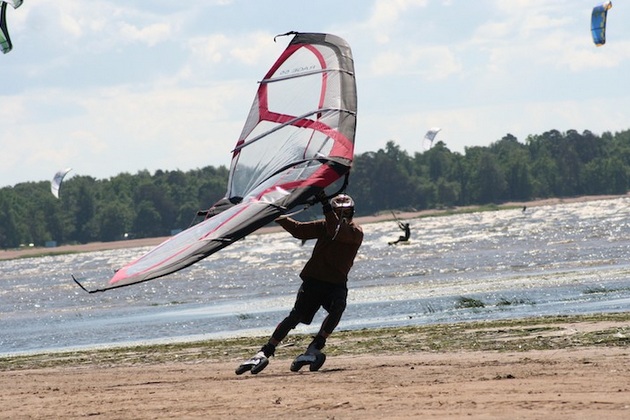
[83, 287]
[285, 34]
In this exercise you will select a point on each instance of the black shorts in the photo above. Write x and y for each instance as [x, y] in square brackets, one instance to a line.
[315, 294]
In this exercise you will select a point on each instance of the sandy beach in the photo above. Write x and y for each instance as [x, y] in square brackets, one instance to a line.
[579, 377]
[587, 384]
[568, 370]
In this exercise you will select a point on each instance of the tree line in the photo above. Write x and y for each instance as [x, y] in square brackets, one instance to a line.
[552, 164]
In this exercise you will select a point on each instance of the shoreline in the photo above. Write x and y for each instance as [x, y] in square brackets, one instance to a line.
[383, 216]
[551, 332]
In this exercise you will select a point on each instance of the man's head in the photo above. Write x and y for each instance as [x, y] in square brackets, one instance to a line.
[343, 206]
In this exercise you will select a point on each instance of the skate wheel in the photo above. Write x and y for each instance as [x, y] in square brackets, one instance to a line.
[318, 363]
[296, 366]
[242, 369]
[260, 366]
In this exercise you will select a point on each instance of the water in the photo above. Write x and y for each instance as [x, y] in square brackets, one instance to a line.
[551, 260]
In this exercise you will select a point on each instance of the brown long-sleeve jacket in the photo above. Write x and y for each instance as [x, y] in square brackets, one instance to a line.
[337, 245]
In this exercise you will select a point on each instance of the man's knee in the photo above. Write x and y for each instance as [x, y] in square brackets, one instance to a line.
[337, 307]
[294, 318]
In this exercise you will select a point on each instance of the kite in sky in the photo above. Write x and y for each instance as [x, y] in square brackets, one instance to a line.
[55, 184]
[5, 40]
[598, 23]
[427, 142]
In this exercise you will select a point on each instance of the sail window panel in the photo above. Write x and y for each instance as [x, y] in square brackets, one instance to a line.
[288, 145]
[319, 91]
[318, 146]
[253, 118]
[319, 88]
[307, 59]
[270, 191]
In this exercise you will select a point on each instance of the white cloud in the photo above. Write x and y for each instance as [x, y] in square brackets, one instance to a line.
[253, 48]
[431, 63]
[211, 48]
[249, 49]
[386, 16]
[70, 25]
[150, 35]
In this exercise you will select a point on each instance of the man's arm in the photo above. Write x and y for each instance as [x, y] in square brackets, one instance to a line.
[300, 230]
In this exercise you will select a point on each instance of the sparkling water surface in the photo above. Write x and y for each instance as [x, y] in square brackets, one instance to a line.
[550, 260]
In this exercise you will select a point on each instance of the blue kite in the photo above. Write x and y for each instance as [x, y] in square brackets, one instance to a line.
[598, 23]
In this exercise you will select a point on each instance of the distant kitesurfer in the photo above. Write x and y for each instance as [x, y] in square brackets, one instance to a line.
[324, 281]
[405, 237]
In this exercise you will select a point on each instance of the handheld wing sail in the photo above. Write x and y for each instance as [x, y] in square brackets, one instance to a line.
[298, 139]
[55, 183]
[598, 23]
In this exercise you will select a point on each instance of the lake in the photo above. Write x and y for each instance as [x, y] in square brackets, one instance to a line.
[550, 260]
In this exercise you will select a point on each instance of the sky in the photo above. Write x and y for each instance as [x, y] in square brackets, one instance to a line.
[107, 87]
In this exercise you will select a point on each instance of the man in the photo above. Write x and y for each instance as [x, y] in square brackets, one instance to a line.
[404, 227]
[324, 281]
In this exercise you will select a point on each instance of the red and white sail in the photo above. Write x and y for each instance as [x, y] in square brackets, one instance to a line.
[297, 140]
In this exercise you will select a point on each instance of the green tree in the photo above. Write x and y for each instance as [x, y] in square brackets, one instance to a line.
[11, 232]
[487, 178]
[514, 159]
[115, 221]
[148, 221]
